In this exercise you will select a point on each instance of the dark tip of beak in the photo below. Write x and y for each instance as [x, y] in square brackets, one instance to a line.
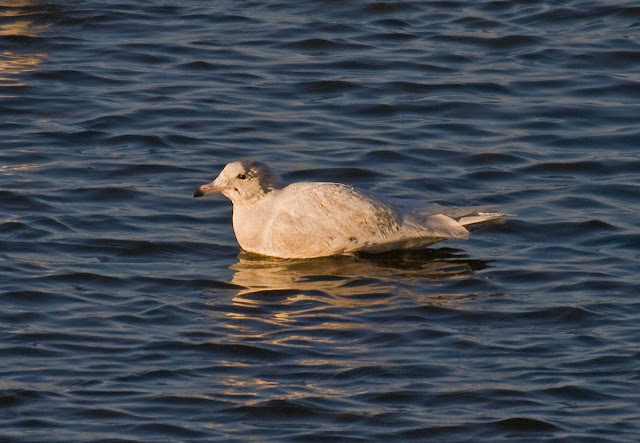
[198, 193]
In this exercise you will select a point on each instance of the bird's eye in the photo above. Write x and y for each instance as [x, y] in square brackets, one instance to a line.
[242, 176]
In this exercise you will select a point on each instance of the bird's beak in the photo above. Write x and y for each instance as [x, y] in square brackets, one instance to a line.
[209, 188]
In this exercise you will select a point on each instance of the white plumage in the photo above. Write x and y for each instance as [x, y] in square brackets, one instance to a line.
[316, 219]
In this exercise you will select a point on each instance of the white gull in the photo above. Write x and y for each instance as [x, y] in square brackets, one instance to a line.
[317, 219]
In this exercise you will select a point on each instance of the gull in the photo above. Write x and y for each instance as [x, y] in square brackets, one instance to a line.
[317, 219]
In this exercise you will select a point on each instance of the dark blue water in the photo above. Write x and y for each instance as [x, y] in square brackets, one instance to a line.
[128, 313]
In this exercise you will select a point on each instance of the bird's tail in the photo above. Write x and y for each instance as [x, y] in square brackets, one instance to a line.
[477, 219]
[453, 221]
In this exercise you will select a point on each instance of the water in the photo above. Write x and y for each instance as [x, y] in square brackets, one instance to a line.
[128, 313]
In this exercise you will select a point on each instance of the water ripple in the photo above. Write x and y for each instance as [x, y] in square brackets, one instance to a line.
[127, 310]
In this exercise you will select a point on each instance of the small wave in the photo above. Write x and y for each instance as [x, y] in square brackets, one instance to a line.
[385, 156]
[10, 398]
[145, 169]
[107, 122]
[28, 351]
[103, 194]
[35, 298]
[199, 66]
[507, 42]
[560, 229]
[14, 230]
[393, 36]
[627, 90]
[320, 44]
[231, 349]
[493, 158]
[79, 77]
[575, 393]
[162, 431]
[572, 168]
[561, 315]
[490, 175]
[11, 200]
[142, 140]
[525, 424]
[280, 408]
[327, 86]
[388, 7]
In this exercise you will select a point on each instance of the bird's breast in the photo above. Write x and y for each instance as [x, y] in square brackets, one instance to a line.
[249, 226]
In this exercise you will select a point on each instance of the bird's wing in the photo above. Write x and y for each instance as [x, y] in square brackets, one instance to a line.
[327, 218]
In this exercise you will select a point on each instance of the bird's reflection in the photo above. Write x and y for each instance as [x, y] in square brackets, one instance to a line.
[270, 279]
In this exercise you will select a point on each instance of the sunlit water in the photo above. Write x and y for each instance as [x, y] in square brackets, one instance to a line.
[127, 311]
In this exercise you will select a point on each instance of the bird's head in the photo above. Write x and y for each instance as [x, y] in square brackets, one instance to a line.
[244, 181]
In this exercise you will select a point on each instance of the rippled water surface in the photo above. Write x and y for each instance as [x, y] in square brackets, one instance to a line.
[128, 312]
